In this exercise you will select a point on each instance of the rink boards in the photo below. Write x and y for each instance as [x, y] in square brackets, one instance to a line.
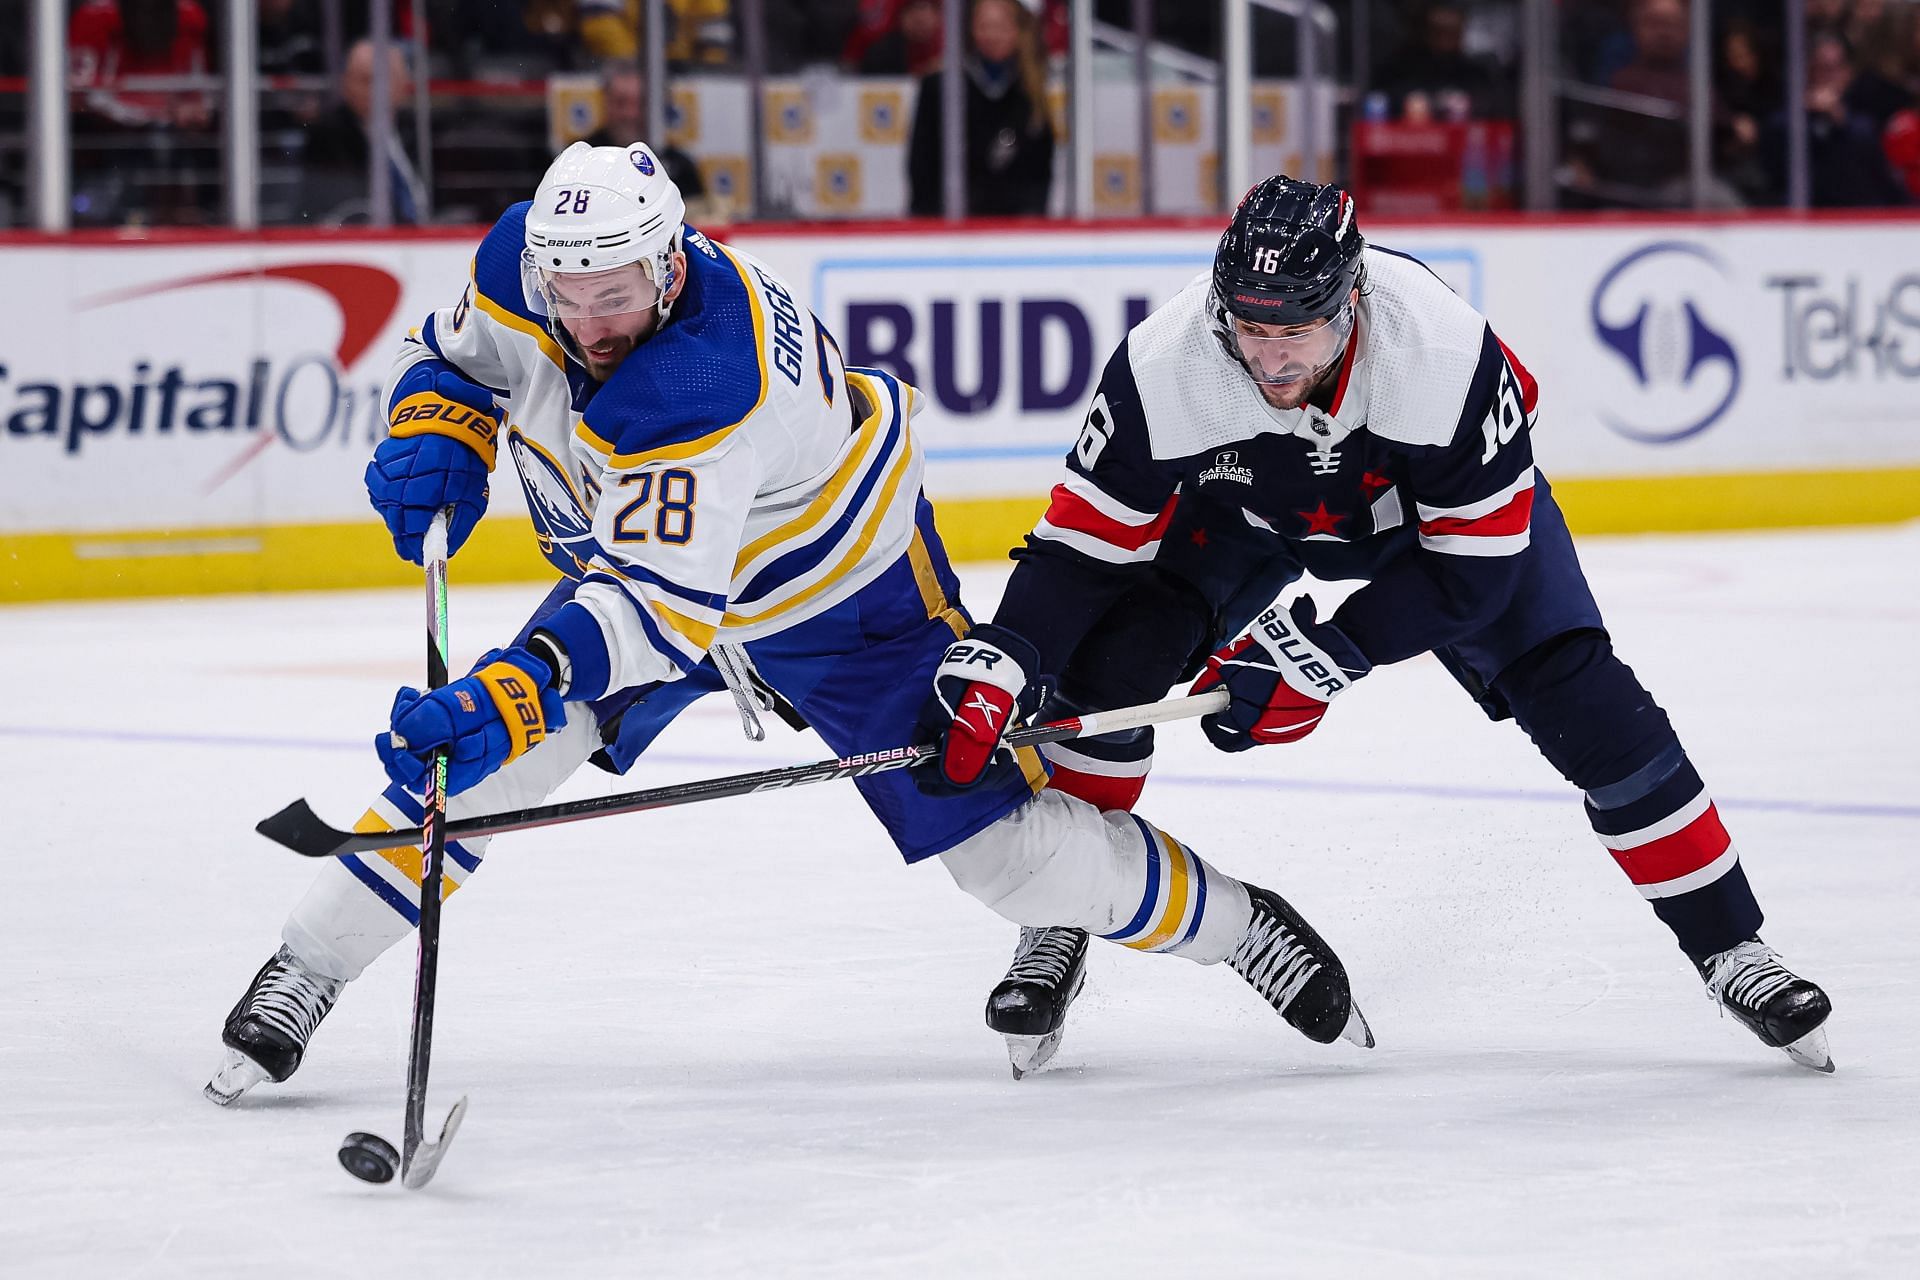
[193, 412]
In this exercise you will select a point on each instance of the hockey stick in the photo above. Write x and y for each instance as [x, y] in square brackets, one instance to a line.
[300, 829]
[419, 1159]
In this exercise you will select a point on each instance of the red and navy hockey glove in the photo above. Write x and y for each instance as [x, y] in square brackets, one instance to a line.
[443, 430]
[980, 690]
[1281, 675]
[488, 719]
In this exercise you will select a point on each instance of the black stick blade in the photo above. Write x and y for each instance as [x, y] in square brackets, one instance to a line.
[299, 828]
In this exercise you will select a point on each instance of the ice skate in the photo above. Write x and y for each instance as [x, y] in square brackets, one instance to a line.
[267, 1032]
[1029, 1006]
[1782, 1008]
[1297, 973]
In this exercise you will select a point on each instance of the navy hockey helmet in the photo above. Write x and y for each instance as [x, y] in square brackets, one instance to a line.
[1291, 255]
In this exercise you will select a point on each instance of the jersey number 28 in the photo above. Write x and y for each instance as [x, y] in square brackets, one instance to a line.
[672, 519]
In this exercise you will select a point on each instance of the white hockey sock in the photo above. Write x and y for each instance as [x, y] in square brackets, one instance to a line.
[360, 905]
[1060, 861]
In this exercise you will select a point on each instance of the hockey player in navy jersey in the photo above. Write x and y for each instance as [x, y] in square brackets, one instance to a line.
[1319, 405]
[708, 478]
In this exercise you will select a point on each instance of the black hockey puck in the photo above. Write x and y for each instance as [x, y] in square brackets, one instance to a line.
[369, 1157]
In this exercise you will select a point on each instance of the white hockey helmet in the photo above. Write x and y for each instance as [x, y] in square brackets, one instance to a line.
[596, 210]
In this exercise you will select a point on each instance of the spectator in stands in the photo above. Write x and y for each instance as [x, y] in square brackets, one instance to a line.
[807, 33]
[1847, 167]
[114, 44]
[1594, 42]
[1901, 142]
[529, 39]
[1636, 152]
[608, 28]
[292, 38]
[1009, 137]
[1744, 95]
[1876, 33]
[873, 20]
[1826, 16]
[1659, 65]
[623, 112]
[141, 152]
[912, 47]
[337, 155]
[699, 32]
[1436, 68]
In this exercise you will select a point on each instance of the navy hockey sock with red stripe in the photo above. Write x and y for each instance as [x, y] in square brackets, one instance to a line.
[1594, 722]
[1663, 829]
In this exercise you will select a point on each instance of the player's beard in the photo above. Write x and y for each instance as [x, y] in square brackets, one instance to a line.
[604, 357]
[1291, 395]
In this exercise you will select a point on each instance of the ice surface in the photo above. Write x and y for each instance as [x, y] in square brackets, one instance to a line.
[741, 1039]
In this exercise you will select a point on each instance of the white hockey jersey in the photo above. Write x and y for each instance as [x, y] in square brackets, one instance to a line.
[731, 479]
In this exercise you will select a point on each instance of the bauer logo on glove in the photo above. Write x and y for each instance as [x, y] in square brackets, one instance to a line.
[1281, 675]
[479, 733]
[1306, 663]
[433, 399]
[440, 448]
[980, 690]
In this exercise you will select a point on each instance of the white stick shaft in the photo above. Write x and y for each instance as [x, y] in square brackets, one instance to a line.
[1186, 708]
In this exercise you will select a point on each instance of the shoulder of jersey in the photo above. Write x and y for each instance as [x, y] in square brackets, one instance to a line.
[687, 389]
[1170, 330]
[1181, 376]
[1425, 348]
[496, 269]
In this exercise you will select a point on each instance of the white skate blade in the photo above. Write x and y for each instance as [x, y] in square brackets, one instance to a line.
[425, 1162]
[1810, 1050]
[237, 1074]
[1030, 1053]
[1357, 1031]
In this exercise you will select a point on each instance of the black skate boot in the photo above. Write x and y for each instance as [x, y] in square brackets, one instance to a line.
[267, 1032]
[1029, 1007]
[1782, 1008]
[1289, 964]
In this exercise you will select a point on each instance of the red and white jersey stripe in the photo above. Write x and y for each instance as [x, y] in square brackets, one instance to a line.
[1497, 525]
[1095, 523]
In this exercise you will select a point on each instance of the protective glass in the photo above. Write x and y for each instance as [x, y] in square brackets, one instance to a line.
[1281, 358]
[585, 295]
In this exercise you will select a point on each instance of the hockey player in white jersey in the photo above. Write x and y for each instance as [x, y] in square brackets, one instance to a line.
[703, 470]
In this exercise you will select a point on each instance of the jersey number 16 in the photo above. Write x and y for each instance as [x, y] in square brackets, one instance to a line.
[1094, 436]
[1506, 417]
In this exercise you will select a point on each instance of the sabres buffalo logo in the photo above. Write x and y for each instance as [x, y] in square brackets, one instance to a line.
[560, 521]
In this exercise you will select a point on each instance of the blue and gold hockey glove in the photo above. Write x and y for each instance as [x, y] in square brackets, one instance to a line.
[442, 433]
[980, 690]
[1281, 675]
[489, 718]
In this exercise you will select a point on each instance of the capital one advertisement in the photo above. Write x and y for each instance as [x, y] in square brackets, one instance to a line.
[166, 388]
[219, 385]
